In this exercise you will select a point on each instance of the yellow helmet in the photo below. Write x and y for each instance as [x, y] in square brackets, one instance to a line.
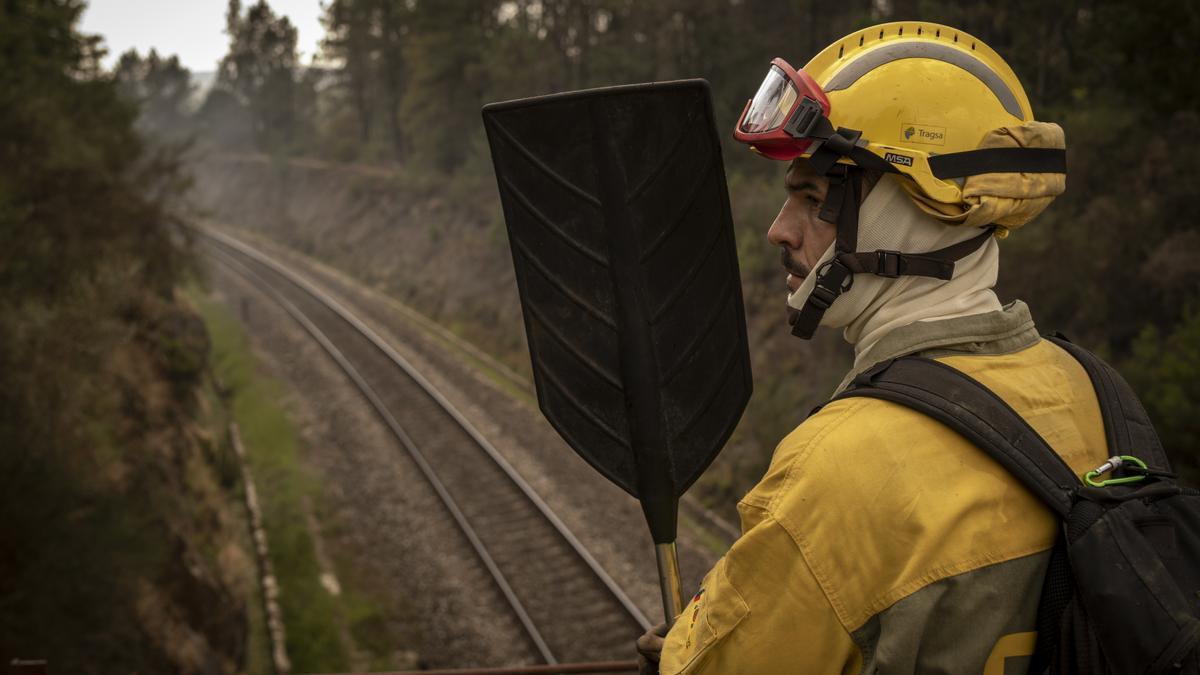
[923, 100]
[919, 89]
[928, 101]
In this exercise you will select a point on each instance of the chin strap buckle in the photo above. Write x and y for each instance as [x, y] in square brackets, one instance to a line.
[822, 298]
[887, 264]
[833, 279]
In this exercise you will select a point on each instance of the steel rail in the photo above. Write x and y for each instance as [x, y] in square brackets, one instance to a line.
[437, 331]
[366, 331]
[376, 402]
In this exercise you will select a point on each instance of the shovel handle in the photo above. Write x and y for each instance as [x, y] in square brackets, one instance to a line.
[669, 581]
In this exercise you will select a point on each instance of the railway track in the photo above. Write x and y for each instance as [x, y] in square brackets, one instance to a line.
[569, 607]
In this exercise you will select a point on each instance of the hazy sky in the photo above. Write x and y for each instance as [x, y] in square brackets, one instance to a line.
[193, 29]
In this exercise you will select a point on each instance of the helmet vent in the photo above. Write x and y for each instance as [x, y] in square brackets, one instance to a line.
[841, 48]
[938, 33]
[860, 40]
[918, 30]
[901, 31]
[972, 46]
[956, 37]
[880, 33]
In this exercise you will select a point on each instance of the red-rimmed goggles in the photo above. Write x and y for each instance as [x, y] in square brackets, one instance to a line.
[780, 120]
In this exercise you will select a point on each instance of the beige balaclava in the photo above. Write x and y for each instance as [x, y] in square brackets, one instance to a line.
[874, 305]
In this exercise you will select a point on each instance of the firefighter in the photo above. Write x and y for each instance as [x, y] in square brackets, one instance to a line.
[880, 540]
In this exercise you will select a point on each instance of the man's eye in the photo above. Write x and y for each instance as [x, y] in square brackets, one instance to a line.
[813, 200]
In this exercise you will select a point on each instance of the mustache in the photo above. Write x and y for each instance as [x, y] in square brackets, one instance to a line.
[794, 267]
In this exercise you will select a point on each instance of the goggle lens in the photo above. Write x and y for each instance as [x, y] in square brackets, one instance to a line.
[779, 122]
[771, 105]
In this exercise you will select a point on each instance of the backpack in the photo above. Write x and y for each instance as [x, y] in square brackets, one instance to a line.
[1122, 591]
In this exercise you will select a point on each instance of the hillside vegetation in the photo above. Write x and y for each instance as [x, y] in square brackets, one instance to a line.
[123, 549]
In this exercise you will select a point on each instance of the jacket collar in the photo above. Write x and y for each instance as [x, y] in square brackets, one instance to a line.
[1003, 331]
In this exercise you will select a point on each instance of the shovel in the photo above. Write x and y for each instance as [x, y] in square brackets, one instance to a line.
[622, 241]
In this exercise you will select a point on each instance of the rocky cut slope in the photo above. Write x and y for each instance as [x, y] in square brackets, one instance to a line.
[436, 246]
[126, 548]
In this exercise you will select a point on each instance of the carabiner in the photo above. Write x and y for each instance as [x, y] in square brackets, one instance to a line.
[1114, 462]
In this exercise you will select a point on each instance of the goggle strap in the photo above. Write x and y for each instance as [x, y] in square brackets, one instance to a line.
[808, 121]
[845, 143]
[998, 160]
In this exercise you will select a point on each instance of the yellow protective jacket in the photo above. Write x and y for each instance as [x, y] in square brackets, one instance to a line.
[881, 541]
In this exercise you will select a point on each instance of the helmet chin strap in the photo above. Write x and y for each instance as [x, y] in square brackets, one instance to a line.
[836, 276]
[833, 276]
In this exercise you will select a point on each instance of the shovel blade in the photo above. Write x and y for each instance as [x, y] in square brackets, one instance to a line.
[618, 218]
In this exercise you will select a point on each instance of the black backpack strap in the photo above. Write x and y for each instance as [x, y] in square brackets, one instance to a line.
[963, 404]
[1126, 423]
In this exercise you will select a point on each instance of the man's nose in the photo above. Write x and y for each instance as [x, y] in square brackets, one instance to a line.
[785, 231]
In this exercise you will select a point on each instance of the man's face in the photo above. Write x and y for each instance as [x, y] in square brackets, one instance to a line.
[797, 230]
